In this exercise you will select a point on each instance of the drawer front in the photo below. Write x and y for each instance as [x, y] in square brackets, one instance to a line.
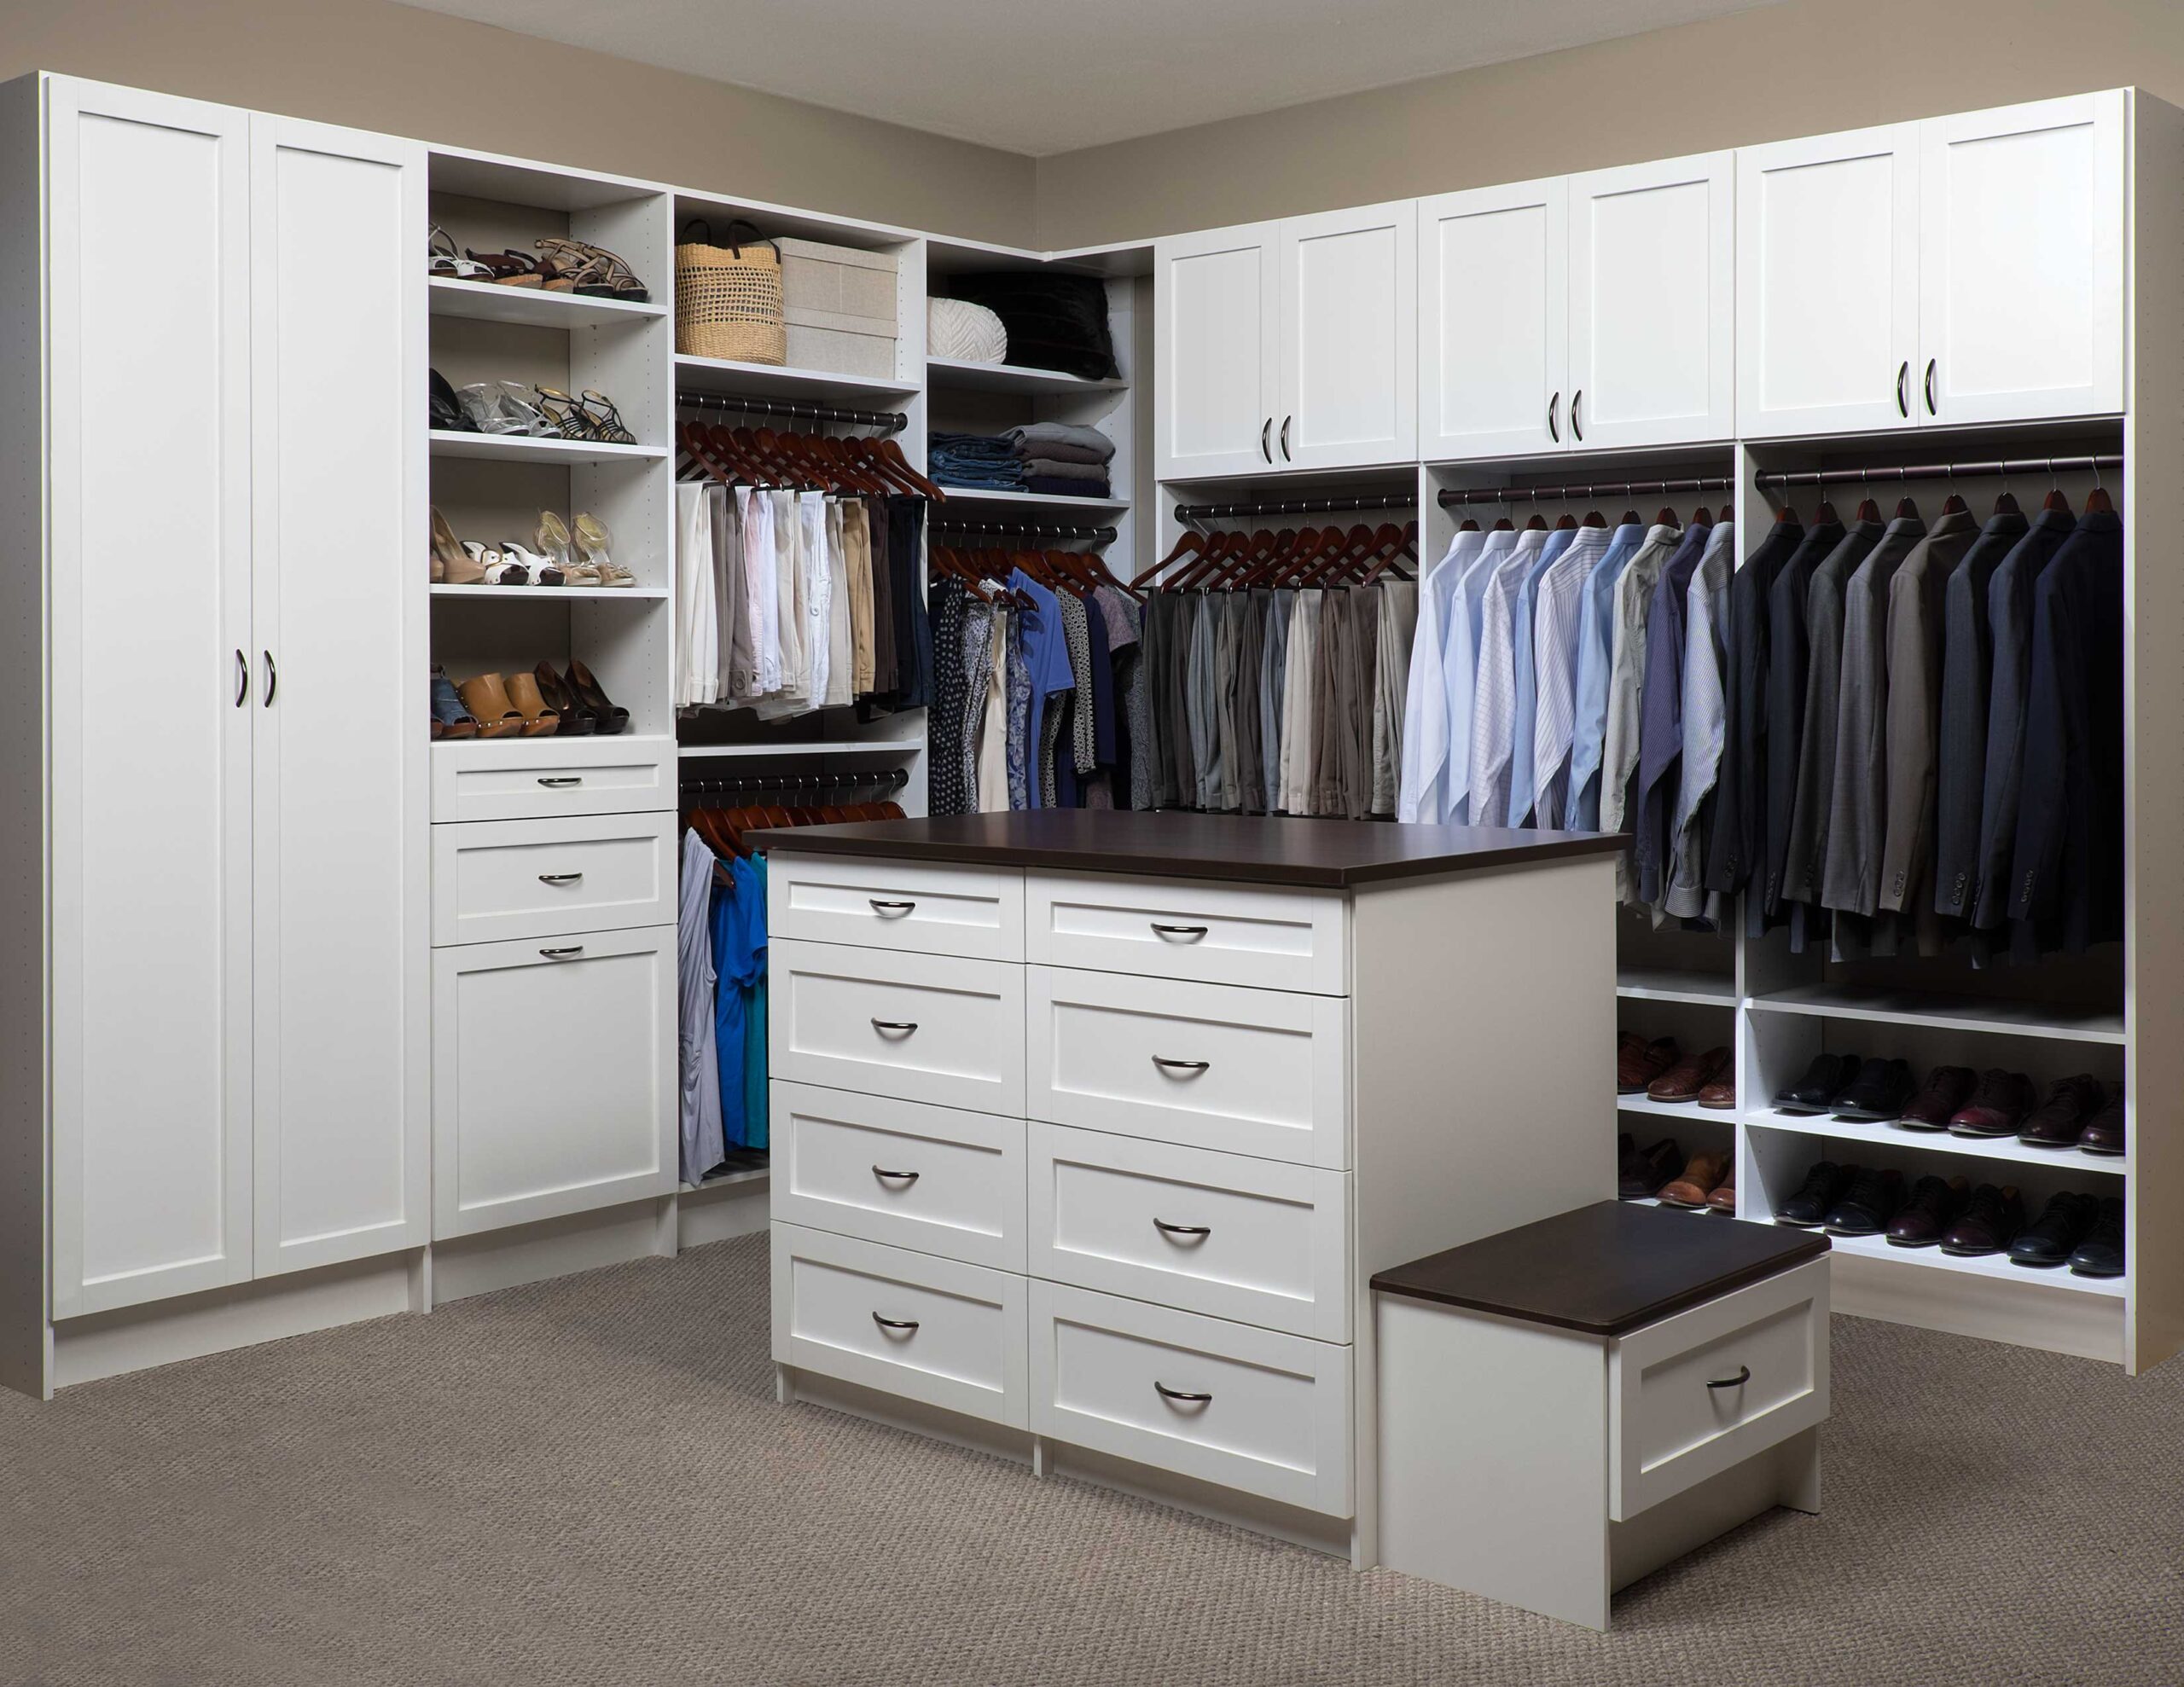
[880, 904]
[1232, 1237]
[899, 1172]
[1208, 934]
[527, 779]
[1669, 1429]
[936, 1330]
[1245, 1408]
[1260, 1072]
[496, 880]
[554, 1085]
[924, 1028]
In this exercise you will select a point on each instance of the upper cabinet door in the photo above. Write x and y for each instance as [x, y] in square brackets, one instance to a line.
[149, 452]
[343, 1088]
[1493, 295]
[2021, 265]
[1215, 309]
[1653, 323]
[1827, 283]
[1349, 337]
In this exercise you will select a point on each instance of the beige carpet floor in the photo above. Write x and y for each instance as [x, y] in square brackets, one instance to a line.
[588, 1481]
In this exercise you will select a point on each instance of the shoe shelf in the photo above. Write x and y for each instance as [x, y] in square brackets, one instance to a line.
[1884, 1138]
[728, 378]
[519, 448]
[970, 498]
[954, 374]
[1665, 984]
[1688, 1110]
[553, 594]
[533, 307]
[1994, 1266]
[1943, 1013]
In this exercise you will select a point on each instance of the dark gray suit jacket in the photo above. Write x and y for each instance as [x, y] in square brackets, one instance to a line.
[1851, 867]
[1967, 659]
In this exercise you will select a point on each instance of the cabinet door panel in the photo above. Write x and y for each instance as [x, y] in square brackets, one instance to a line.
[151, 754]
[1652, 274]
[1493, 293]
[1827, 282]
[342, 797]
[1349, 337]
[1213, 339]
[2021, 270]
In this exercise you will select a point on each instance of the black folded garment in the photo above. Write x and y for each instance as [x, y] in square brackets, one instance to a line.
[1053, 486]
[1055, 321]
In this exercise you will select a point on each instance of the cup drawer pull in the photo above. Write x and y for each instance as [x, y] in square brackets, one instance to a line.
[1193, 1067]
[1193, 1230]
[886, 1026]
[887, 910]
[887, 1176]
[1743, 1375]
[909, 1324]
[573, 949]
[1189, 933]
[1180, 1396]
[558, 878]
[560, 781]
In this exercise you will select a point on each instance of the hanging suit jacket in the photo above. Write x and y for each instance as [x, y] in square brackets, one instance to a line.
[1661, 733]
[1967, 661]
[1738, 845]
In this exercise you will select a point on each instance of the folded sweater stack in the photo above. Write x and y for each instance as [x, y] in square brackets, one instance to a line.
[974, 460]
[1056, 460]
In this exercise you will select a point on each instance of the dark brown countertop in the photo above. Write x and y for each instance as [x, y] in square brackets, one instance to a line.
[1329, 854]
[1605, 1269]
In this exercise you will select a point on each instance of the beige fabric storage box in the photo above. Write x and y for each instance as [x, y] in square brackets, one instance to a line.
[841, 306]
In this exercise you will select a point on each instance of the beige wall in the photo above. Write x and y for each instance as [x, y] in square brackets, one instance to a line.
[373, 65]
[1802, 68]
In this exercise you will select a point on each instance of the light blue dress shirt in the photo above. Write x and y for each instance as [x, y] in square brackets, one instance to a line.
[1596, 652]
[1460, 664]
[1522, 771]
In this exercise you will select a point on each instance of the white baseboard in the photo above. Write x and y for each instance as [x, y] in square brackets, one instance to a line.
[2028, 1314]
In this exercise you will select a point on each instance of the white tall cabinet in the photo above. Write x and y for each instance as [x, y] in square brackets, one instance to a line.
[236, 962]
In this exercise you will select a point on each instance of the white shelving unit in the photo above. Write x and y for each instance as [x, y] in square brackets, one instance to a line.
[955, 375]
[520, 448]
[533, 307]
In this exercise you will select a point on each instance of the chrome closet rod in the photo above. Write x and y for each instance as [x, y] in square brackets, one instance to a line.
[888, 421]
[2011, 468]
[1454, 496]
[1192, 513]
[964, 527]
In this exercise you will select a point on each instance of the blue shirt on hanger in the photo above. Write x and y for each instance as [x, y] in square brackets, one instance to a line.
[1522, 770]
[738, 938]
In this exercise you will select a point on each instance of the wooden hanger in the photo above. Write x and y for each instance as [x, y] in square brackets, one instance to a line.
[1702, 516]
[1189, 543]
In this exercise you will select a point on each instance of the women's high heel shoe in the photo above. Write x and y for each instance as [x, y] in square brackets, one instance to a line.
[569, 419]
[451, 719]
[592, 540]
[552, 536]
[598, 273]
[604, 421]
[499, 570]
[452, 565]
[487, 699]
[611, 717]
[538, 720]
[445, 263]
[555, 693]
[540, 567]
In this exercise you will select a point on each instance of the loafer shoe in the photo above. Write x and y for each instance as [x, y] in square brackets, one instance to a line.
[1824, 1186]
[2050, 1239]
[1684, 1080]
[1824, 1080]
[1878, 1093]
[1724, 1197]
[2101, 1253]
[1721, 1094]
[1990, 1222]
[1932, 1209]
[1997, 1107]
[1640, 1173]
[1638, 1063]
[1868, 1204]
[2058, 1122]
[1946, 1089]
[1701, 1174]
[2104, 1131]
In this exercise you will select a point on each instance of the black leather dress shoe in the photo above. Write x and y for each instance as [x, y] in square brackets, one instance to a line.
[2050, 1239]
[1932, 1209]
[1822, 1082]
[2104, 1131]
[1824, 1186]
[1989, 1222]
[2057, 1122]
[1640, 1173]
[2101, 1253]
[1878, 1093]
[1868, 1204]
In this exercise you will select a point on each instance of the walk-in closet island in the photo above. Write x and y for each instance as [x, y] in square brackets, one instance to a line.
[1091, 1127]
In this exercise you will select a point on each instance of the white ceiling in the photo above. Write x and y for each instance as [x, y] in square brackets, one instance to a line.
[1048, 76]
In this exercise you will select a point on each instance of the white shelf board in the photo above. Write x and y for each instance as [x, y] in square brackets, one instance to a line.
[735, 1177]
[1947, 1012]
[1885, 1137]
[1997, 1266]
[872, 746]
[533, 307]
[1663, 983]
[1690, 1110]
[554, 594]
[522, 448]
[957, 374]
[724, 377]
[977, 498]
[551, 748]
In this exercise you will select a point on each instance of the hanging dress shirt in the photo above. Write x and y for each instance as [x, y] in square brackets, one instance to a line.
[1595, 653]
[1705, 723]
[1524, 646]
[1557, 614]
[1422, 789]
[1460, 664]
[1493, 707]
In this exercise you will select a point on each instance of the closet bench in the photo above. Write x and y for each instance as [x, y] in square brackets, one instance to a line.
[1091, 1127]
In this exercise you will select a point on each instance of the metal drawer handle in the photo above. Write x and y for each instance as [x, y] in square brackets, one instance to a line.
[242, 679]
[1903, 403]
[272, 677]
[561, 781]
[1167, 1229]
[1931, 362]
[1553, 411]
[1180, 1396]
[562, 955]
[558, 878]
[910, 1323]
[1743, 1375]
[905, 1026]
[1266, 428]
[1192, 932]
[894, 1177]
[1194, 1067]
[890, 910]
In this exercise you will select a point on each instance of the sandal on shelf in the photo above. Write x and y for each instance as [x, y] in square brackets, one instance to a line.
[487, 699]
[499, 569]
[452, 565]
[611, 717]
[604, 421]
[598, 273]
[447, 416]
[568, 418]
[450, 719]
[540, 567]
[592, 540]
[555, 693]
[504, 407]
[538, 720]
[552, 536]
[445, 262]
[509, 269]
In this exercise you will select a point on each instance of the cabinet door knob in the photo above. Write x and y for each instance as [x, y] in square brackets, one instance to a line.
[1167, 1229]
[1903, 397]
[895, 1323]
[1192, 932]
[1182, 1396]
[1266, 428]
[1931, 362]
[560, 781]
[1286, 420]
[1194, 1067]
[558, 878]
[890, 910]
[883, 1026]
[883, 1173]
[1577, 427]
[563, 955]
[1553, 412]
[1743, 1375]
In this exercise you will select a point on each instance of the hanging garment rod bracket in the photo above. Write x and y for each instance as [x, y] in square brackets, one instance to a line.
[1197, 513]
[1456, 496]
[887, 421]
[964, 527]
[1877, 473]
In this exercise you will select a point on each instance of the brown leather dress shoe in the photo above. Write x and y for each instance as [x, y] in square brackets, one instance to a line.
[1997, 1107]
[1947, 1088]
[1702, 1174]
[2104, 1131]
[1721, 1094]
[1638, 1063]
[1724, 1197]
[2057, 1122]
[1683, 1081]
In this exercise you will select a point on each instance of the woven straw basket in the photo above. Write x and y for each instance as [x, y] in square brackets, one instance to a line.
[728, 299]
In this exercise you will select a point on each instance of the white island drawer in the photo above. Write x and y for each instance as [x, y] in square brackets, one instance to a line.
[1260, 1072]
[1245, 1408]
[1227, 1235]
[923, 1027]
[936, 1330]
[498, 880]
[883, 904]
[1269, 937]
[899, 1172]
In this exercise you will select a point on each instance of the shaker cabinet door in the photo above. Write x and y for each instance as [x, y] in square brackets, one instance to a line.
[1493, 297]
[1349, 347]
[1216, 304]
